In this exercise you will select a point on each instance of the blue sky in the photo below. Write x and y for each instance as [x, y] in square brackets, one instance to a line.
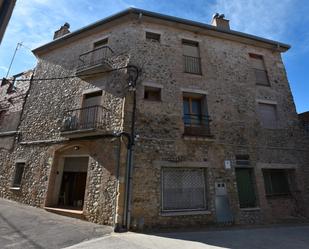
[34, 21]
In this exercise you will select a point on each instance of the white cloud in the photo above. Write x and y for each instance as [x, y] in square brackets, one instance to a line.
[3, 68]
[265, 18]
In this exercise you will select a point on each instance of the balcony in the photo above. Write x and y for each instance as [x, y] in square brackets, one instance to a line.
[85, 121]
[196, 125]
[94, 61]
[192, 64]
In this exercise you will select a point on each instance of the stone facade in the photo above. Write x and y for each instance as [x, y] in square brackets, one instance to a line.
[228, 82]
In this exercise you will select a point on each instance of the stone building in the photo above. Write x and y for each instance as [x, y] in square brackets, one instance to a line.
[147, 120]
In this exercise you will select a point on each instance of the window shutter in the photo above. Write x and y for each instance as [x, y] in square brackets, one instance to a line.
[268, 115]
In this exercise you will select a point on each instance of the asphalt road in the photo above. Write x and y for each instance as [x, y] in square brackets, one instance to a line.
[24, 227]
[277, 237]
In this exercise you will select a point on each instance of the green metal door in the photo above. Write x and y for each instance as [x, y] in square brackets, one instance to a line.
[245, 187]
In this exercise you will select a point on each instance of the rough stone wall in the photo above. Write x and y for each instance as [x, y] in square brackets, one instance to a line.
[11, 104]
[304, 123]
[40, 129]
[232, 96]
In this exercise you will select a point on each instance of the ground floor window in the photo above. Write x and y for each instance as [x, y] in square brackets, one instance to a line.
[276, 182]
[18, 174]
[245, 187]
[183, 189]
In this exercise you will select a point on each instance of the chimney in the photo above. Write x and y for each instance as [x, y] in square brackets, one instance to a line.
[220, 22]
[62, 31]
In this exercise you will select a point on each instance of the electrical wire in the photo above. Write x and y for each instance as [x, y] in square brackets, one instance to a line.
[73, 76]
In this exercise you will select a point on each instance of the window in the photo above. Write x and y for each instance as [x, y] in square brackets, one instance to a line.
[258, 65]
[100, 43]
[242, 160]
[183, 189]
[153, 37]
[267, 115]
[18, 174]
[245, 187]
[191, 54]
[276, 182]
[152, 93]
[92, 99]
[192, 109]
[196, 120]
[2, 113]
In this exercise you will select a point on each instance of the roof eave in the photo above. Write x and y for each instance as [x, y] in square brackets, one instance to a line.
[282, 47]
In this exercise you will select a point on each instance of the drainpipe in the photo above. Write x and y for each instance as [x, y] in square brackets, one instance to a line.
[129, 171]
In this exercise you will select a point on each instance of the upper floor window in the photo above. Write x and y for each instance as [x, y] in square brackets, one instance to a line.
[267, 115]
[92, 99]
[191, 54]
[258, 65]
[152, 93]
[195, 115]
[100, 43]
[150, 36]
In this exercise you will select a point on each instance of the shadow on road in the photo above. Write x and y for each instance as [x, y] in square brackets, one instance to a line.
[283, 237]
[21, 234]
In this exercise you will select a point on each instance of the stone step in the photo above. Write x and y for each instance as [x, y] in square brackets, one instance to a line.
[77, 214]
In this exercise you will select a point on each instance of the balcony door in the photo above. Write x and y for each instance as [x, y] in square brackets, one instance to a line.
[91, 108]
[192, 109]
[195, 115]
[191, 53]
[98, 51]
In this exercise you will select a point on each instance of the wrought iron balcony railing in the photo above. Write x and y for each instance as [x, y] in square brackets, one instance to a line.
[94, 58]
[196, 125]
[192, 64]
[92, 117]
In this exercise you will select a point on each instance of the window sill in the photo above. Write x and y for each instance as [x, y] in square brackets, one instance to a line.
[198, 137]
[261, 84]
[250, 209]
[278, 196]
[14, 188]
[197, 74]
[153, 100]
[184, 213]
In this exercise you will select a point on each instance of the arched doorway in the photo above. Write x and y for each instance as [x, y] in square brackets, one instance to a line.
[68, 178]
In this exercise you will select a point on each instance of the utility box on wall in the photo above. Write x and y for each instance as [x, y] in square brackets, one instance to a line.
[223, 210]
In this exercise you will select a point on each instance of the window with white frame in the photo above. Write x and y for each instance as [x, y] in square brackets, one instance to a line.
[183, 189]
[267, 115]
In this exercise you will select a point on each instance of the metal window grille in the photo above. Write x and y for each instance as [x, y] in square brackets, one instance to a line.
[183, 189]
